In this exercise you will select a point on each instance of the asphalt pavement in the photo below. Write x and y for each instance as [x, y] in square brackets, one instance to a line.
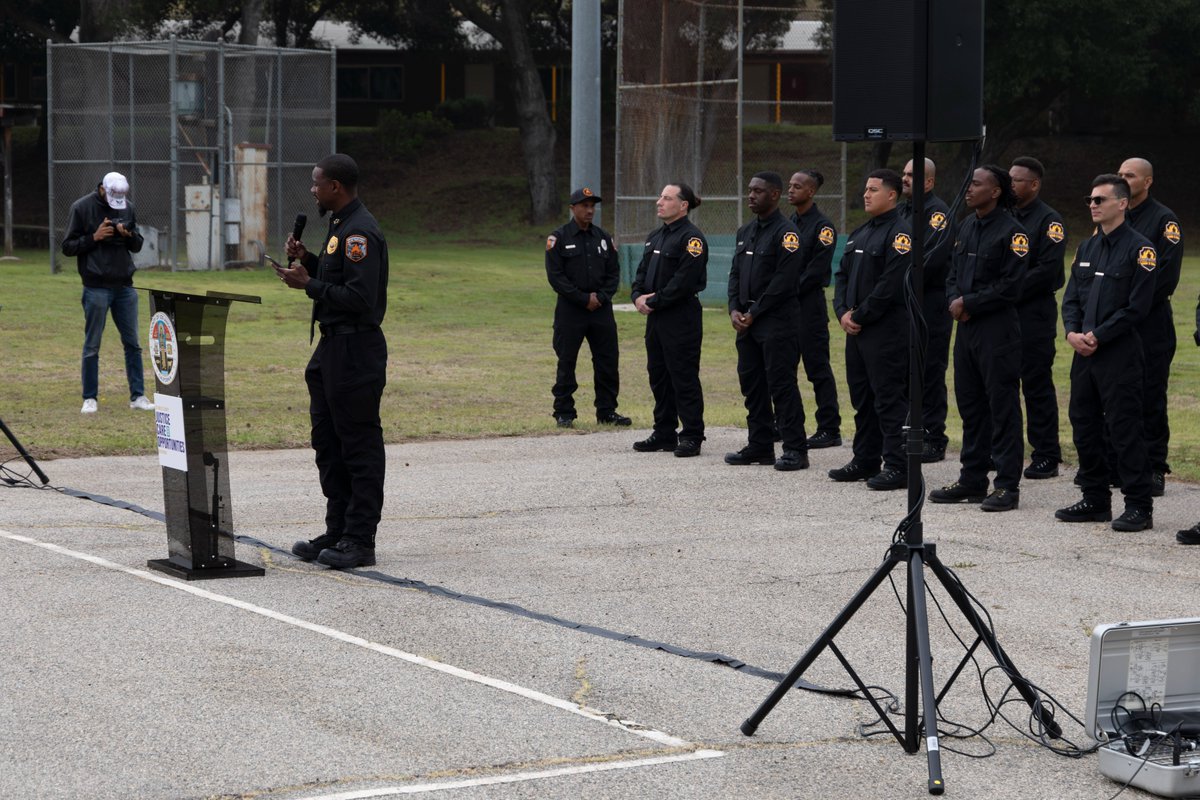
[550, 617]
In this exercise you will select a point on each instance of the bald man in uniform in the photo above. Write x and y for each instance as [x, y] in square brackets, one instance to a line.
[933, 308]
[1161, 226]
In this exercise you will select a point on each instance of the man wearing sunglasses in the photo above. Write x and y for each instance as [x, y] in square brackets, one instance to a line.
[1161, 226]
[1110, 292]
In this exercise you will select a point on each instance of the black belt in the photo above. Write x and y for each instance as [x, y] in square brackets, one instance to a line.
[339, 330]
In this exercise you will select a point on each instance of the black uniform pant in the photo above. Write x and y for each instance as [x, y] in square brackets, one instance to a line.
[987, 374]
[573, 324]
[673, 338]
[768, 355]
[1039, 332]
[1106, 403]
[345, 378]
[814, 350]
[936, 309]
[877, 375]
[1158, 347]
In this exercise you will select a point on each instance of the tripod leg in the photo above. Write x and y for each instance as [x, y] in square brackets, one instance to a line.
[919, 621]
[895, 556]
[28, 458]
[959, 595]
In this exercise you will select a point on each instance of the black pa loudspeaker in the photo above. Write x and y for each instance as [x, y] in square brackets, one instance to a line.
[907, 70]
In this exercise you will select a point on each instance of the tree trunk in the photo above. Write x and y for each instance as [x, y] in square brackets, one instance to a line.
[533, 120]
[252, 12]
[99, 20]
[537, 132]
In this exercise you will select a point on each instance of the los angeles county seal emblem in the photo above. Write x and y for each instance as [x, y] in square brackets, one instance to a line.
[164, 348]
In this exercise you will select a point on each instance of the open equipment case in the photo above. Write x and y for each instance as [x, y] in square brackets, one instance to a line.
[1144, 704]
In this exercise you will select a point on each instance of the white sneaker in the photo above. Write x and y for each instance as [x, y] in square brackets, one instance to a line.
[141, 403]
[89, 406]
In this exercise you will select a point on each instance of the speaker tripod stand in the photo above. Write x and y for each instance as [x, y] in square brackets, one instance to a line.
[920, 701]
[24, 454]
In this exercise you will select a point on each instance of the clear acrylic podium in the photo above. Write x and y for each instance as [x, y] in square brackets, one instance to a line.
[187, 352]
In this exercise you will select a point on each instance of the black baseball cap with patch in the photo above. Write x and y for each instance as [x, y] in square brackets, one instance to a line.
[582, 194]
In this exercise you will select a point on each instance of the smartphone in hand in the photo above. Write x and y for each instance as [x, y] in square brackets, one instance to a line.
[273, 263]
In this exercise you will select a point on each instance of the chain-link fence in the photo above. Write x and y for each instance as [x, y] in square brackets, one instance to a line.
[684, 101]
[217, 141]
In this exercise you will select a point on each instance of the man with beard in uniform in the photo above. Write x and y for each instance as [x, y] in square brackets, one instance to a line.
[1111, 290]
[766, 315]
[933, 308]
[348, 369]
[1160, 225]
[582, 267]
[1038, 311]
[868, 300]
[982, 287]
[818, 240]
[673, 271]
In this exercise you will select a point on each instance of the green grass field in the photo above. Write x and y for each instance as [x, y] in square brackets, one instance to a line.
[468, 328]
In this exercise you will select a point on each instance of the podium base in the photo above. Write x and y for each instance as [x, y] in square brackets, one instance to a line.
[237, 569]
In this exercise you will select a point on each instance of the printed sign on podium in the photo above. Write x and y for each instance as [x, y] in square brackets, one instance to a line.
[187, 351]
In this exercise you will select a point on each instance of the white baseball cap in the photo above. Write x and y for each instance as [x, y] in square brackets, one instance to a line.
[115, 189]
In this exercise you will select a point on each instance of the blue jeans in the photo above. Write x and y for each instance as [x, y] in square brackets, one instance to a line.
[123, 302]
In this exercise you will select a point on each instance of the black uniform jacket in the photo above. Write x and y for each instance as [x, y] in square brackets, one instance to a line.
[678, 253]
[1160, 225]
[937, 242]
[579, 262]
[350, 276]
[105, 264]
[818, 240]
[870, 281]
[988, 263]
[767, 260]
[1119, 269]
[1044, 273]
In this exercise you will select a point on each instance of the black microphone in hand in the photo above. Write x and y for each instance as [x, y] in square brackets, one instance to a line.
[298, 231]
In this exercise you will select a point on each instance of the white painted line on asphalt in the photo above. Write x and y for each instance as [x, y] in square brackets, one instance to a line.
[421, 788]
[495, 683]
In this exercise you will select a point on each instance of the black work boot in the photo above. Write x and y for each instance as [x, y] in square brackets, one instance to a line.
[347, 554]
[308, 551]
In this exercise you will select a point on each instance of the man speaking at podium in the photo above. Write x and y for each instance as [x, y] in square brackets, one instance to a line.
[346, 375]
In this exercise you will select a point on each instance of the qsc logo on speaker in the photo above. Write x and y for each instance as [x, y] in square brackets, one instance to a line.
[878, 132]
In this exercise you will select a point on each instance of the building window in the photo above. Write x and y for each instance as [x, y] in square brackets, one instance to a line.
[352, 83]
[387, 83]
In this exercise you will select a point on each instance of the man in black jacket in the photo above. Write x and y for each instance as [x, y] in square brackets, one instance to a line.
[868, 300]
[348, 369]
[672, 273]
[818, 240]
[982, 288]
[1161, 226]
[101, 233]
[1038, 310]
[937, 243]
[1111, 290]
[766, 315]
[582, 267]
